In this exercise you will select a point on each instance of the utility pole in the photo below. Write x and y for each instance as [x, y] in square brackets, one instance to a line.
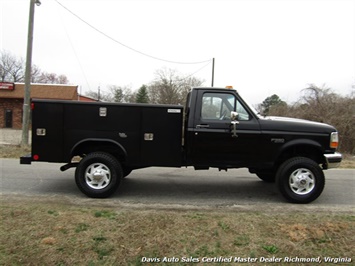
[212, 72]
[27, 97]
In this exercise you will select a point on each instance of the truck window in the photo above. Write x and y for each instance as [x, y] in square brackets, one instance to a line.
[243, 115]
[218, 106]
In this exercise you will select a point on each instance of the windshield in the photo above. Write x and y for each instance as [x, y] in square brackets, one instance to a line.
[250, 107]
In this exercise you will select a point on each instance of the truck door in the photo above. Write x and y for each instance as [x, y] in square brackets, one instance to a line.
[215, 143]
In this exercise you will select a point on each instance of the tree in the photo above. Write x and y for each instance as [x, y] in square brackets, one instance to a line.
[270, 102]
[12, 69]
[170, 88]
[321, 104]
[115, 93]
[142, 95]
[52, 78]
[121, 94]
[35, 74]
[102, 96]
[167, 88]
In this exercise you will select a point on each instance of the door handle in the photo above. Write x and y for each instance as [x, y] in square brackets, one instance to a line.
[234, 129]
[203, 126]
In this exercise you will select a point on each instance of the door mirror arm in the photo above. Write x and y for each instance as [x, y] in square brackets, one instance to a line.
[234, 122]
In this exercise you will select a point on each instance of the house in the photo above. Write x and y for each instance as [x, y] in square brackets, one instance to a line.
[12, 95]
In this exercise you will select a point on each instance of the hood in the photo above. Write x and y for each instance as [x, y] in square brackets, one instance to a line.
[294, 124]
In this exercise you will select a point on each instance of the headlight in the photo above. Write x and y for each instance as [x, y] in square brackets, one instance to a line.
[334, 140]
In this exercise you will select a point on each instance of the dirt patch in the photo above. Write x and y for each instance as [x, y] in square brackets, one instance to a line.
[305, 232]
[13, 151]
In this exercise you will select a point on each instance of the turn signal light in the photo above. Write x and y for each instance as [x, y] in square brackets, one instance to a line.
[334, 140]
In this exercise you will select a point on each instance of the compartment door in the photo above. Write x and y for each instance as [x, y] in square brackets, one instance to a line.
[47, 131]
[161, 136]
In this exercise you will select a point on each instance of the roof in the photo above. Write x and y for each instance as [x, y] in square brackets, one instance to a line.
[42, 91]
[84, 98]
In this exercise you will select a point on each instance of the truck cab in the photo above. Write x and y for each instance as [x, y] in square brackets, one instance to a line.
[216, 139]
[223, 131]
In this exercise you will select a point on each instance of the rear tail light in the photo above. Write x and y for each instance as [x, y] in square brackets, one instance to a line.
[334, 140]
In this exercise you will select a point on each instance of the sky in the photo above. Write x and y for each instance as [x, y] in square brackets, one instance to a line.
[261, 47]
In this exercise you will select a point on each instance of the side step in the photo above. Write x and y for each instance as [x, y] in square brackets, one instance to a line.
[67, 166]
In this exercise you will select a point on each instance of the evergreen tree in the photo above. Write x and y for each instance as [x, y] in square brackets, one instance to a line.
[142, 95]
[272, 101]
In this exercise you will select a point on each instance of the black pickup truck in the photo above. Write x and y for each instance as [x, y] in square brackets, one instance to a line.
[217, 128]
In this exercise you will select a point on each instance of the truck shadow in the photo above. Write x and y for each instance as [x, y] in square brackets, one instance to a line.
[182, 190]
[173, 188]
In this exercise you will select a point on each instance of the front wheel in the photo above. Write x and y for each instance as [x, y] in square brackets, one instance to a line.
[300, 180]
[98, 175]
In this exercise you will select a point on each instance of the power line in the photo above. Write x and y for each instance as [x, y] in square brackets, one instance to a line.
[126, 46]
[75, 53]
[187, 77]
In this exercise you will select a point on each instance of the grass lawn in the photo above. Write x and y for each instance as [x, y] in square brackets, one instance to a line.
[45, 232]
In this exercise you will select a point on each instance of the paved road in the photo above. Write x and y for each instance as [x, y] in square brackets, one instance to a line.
[174, 188]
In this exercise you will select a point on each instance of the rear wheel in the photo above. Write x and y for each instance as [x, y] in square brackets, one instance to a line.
[300, 180]
[98, 175]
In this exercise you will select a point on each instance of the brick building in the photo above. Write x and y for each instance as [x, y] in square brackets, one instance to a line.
[12, 95]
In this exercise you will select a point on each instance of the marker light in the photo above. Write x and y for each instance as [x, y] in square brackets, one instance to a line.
[36, 157]
[229, 87]
[334, 140]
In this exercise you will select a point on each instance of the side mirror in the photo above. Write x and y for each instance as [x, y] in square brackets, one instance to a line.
[234, 122]
[234, 116]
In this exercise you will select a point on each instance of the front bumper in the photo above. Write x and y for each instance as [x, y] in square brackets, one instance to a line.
[332, 160]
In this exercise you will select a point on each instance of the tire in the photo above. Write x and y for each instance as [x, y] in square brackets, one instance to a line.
[300, 180]
[98, 175]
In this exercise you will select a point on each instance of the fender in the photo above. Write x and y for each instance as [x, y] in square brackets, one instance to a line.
[98, 140]
[298, 143]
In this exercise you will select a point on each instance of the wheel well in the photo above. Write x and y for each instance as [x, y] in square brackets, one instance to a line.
[307, 151]
[88, 146]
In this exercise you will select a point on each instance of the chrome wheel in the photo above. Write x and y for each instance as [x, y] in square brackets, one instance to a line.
[97, 176]
[302, 181]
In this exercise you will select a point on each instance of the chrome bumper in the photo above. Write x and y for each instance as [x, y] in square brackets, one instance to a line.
[332, 160]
